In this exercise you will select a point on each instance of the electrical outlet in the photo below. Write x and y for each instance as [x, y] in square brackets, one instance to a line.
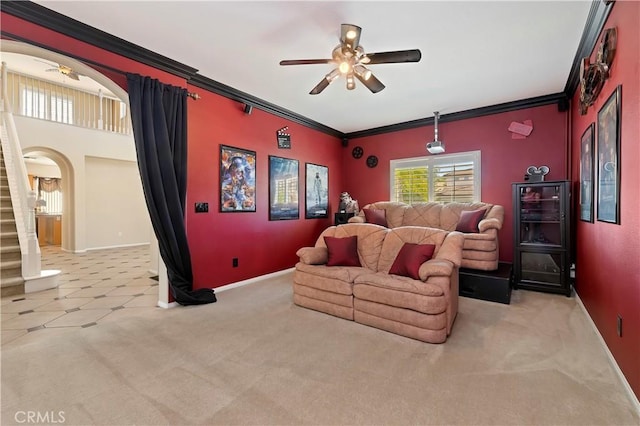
[235, 262]
[619, 325]
[202, 207]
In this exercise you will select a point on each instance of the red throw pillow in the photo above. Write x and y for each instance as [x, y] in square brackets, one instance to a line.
[469, 220]
[409, 259]
[342, 251]
[377, 216]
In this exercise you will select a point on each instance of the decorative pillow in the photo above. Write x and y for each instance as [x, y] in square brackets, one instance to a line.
[377, 216]
[469, 220]
[342, 251]
[409, 259]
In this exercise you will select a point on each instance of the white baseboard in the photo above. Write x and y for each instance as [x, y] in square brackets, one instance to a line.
[252, 280]
[165, 305]
[234, 285]
[612, 360]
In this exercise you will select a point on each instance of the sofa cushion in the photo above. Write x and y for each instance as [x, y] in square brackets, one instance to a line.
[342, 251]
[377, 216]
[469, 220]
[409, 259]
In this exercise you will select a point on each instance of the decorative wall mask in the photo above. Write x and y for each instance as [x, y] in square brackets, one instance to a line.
[593, 76]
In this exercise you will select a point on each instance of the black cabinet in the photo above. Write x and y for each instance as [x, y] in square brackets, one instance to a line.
[541, 236]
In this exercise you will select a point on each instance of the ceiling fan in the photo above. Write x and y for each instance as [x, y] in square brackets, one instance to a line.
[62, 69]
[350, 60]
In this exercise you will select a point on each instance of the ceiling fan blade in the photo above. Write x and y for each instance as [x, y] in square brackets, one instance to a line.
[324, 83]
[73, 75]
[350, 35]
[372, 83]
[413, 55]
[45, 62]
[305, 61]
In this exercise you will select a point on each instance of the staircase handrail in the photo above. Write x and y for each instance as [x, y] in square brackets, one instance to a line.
[23, 197]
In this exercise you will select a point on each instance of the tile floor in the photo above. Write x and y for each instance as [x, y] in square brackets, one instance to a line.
[92, 286]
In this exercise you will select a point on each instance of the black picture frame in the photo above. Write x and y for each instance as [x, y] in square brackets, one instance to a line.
[237, 180]
[284, 188]
[587, 173]
[316, 191]
[609, 117]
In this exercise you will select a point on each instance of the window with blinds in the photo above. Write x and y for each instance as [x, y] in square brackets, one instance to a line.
[443, 178]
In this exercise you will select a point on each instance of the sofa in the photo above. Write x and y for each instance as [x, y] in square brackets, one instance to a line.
[422, 305]
[480, 249]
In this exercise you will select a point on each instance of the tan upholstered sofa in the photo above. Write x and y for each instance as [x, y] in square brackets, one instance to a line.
[480, 248]
[423, 309]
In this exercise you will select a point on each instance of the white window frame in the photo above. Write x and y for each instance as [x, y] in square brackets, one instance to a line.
[438, 160]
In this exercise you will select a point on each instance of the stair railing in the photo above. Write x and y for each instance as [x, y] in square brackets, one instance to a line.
[23, 197]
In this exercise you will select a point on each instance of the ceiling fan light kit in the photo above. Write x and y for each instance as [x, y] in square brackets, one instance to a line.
[349, 59]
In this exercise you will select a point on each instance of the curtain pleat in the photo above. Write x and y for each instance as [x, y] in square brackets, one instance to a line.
[159, 117]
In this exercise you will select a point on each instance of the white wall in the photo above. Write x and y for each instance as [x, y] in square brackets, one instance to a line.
[89, 154]
[115, 208]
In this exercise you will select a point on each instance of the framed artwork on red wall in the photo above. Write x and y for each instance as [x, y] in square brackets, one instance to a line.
[237, 179]
[283, 188]
[317, 191]
[586, 174]
[608, 158]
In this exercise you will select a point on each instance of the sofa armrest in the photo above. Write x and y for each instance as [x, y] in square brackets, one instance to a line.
[356, 219]
[435, 267]
[313, 255]
[451, 248]
[486, 224]
[493, 219]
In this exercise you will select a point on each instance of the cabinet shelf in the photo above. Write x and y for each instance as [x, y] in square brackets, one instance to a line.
[541, 236]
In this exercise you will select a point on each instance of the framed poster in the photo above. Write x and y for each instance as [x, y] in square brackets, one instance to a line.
[237, 179]
[586, 174]
[283, 188]
[317, 191]
[608, 158]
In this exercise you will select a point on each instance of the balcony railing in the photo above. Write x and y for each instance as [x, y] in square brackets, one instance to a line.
[32, 97]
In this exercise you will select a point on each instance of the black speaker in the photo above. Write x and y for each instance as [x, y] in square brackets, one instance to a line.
[563, 105]
[345, 142]
[247, 109]
[341, 218]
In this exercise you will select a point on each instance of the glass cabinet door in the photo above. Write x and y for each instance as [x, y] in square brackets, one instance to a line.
[540, 215]
[542, 267]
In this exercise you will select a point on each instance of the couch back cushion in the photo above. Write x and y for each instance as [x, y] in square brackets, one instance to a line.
[369, 238]
[397, 237]
[423, 214]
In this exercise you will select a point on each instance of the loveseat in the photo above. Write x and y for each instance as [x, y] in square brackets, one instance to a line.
[480, 230]
[420, 302]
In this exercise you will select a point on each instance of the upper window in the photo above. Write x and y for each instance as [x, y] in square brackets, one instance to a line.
[442, 178]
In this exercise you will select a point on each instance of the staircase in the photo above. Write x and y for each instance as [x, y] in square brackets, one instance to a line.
[11, 281]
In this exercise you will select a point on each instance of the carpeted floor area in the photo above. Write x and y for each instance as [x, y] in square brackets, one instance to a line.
[255, 358]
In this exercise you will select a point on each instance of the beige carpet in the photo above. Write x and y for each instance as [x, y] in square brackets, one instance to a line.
[255, 358]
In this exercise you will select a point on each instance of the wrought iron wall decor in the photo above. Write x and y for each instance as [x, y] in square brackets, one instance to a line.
[593, 76]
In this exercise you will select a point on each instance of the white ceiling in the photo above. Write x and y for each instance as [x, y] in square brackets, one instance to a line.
[474, 53]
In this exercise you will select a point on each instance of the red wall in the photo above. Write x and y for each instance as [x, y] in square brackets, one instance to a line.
[261, 246]
[607, 273]
[504, 160]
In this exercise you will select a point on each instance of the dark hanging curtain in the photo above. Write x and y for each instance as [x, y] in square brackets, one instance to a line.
[159, 116]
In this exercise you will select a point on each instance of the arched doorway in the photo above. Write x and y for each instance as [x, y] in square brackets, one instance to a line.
[74, 195]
